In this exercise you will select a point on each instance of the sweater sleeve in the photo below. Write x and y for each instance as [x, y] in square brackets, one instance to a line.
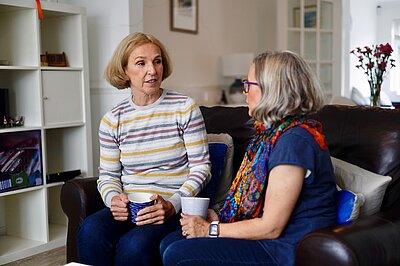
[109, 182]
[195, 139]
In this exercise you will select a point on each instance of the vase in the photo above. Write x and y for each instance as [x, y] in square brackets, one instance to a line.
[235, 93]
[375, 100]
[375, 93]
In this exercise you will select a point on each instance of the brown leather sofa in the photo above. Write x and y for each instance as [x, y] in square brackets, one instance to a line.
[364, 136]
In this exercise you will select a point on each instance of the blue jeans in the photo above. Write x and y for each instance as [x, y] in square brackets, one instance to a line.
[176, 250]
[105, 241]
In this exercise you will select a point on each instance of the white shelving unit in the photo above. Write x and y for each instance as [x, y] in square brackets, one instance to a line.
[55, 102]
[312, 28]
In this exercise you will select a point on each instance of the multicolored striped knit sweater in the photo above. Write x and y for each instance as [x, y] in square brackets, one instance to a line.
[159, 148]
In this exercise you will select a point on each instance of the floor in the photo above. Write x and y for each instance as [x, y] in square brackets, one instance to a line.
[54, 257]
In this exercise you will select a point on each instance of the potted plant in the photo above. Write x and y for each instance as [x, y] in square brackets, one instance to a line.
[375, 61]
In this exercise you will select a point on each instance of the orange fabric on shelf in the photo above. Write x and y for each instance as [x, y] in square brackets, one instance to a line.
[39, 8]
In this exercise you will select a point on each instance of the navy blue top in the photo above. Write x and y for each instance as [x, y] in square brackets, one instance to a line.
[316, 206]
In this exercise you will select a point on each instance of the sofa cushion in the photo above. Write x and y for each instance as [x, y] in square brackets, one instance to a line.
[221, 156]
[348, 205]
[359, 180]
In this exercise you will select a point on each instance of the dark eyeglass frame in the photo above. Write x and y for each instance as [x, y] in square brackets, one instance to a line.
[246, 85]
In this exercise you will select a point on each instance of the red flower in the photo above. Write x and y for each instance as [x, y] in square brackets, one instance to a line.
[382, 65]
[385, 49]
[370, 65]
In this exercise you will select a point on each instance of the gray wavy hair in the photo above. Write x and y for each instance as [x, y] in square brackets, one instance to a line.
[288, 86]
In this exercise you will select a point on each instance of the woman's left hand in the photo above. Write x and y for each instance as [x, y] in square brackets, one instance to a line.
[158, 213]
[194, 226]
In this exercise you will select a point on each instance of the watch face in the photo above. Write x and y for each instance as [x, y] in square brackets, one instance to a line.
[213, 230]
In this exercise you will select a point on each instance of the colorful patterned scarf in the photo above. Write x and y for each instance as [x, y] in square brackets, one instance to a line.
[245, 199]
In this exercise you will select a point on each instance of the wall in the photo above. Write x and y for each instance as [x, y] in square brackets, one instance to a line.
[362, 31]
[224, 26]
[389, 11]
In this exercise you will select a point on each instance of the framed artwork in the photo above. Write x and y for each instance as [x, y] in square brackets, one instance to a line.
[310, 16]
[184, 15]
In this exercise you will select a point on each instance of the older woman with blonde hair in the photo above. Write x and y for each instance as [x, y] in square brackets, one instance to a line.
[285, 185]
[153, 142]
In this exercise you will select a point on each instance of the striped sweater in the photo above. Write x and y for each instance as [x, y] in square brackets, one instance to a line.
[159, 148]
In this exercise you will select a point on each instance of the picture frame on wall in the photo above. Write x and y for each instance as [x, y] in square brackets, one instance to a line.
[310, 16]
[184, 15]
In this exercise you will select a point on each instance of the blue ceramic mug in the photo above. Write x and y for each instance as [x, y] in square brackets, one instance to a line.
[138, 201]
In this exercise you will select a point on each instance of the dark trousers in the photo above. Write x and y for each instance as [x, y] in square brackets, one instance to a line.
[176, 250]
[105, 241]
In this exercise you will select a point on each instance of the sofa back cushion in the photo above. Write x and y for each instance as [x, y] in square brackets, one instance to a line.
[234, 121]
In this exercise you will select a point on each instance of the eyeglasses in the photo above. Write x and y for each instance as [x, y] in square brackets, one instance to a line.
[246, 85]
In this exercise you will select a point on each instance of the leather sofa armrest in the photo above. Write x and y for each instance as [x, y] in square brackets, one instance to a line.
[79, 198]
[373, 240]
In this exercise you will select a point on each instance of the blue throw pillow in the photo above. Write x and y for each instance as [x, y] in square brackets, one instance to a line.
[348, 205]
[217, 158]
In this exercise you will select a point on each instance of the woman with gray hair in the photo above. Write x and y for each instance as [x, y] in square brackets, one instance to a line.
[285, 186]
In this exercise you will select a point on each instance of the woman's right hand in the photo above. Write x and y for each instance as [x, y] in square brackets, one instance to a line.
[119, 207]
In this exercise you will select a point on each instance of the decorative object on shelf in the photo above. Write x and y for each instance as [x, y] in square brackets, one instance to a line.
[62, 176]
[12, 122]
[56, 60]
[40, 11]
[376, 63]
[224, 99]
[184, 15]
[4, 62]
[236, 66]
[4, 103]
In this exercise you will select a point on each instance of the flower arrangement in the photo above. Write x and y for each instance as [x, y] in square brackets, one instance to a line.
[376, 63]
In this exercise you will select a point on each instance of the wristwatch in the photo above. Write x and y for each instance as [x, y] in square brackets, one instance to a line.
[213, 231]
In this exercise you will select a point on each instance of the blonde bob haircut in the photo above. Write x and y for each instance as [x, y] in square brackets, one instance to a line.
[288, 87]
[115, 70]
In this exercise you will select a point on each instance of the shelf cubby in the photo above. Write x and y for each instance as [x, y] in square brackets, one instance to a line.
[19, 47]
[24, 94]
[62, 32]
[69, 142]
